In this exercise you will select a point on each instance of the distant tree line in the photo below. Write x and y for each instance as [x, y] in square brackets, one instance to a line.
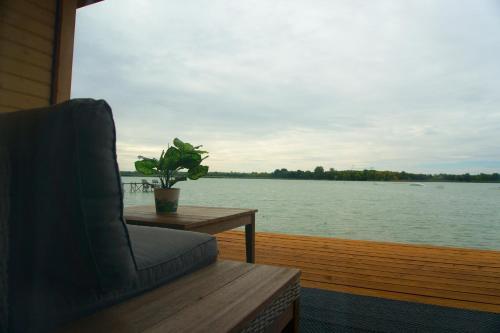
[375, 175]
[319, 173]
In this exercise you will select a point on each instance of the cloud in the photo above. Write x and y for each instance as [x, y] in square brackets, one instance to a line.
[397, 85]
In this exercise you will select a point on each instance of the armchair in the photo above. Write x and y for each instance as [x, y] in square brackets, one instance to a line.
[69, 262]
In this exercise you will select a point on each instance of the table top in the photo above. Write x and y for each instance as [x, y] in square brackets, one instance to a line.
[186, 217]
[222, 297]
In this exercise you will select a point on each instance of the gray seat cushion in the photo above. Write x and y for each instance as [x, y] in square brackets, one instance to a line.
[164, 254]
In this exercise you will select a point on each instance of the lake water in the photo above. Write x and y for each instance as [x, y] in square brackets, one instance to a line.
[450, 214]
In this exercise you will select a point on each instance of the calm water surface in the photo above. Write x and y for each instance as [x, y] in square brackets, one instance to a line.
[450, 214]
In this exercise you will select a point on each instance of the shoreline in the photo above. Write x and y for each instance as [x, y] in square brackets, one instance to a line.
[333, 180]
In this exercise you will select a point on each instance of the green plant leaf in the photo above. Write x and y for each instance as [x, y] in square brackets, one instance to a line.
[181, 155]
[201, 152]
[183, 146]
[190, 160]
[178, 143]
[147, 166]
[197, 150]
[197, 172]
[171, 159]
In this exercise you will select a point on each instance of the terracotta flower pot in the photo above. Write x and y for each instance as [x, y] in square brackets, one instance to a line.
[166, 200]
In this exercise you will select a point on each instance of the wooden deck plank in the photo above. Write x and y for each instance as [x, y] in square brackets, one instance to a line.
[374, 252]
[451, 280]
[374, 249]
[408, 272]
[413, 250]
[303, 254]
[402, 297]
[454, 277]
[405, 284]
[380, 244]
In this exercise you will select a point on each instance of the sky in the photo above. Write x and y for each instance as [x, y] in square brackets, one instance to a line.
[390, 85]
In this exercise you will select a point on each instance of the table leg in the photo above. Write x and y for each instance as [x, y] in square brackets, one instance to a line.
[250, 240]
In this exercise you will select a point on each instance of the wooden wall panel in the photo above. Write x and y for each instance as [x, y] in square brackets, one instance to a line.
[32, 10]
[27, 37]
[48, 5]
[19, 101]
[22, 21]
[25, 54]
[25, 70]
[6, 109]
[36, 51]
[24, 86]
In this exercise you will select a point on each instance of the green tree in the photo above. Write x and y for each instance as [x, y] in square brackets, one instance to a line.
[319, 172]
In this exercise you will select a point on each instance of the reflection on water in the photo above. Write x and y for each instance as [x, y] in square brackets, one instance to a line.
[451, 214]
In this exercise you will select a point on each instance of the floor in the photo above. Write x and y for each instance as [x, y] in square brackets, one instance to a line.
[453, 277]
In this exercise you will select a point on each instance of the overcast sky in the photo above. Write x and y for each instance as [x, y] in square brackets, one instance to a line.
[393, 85]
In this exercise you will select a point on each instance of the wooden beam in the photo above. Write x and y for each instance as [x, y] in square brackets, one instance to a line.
[82, 3]
[63, 50]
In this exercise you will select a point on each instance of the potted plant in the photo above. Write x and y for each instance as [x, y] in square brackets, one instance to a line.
[180, 156]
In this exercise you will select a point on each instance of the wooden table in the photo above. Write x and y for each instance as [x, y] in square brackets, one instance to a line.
[226, 296]
[210, 220]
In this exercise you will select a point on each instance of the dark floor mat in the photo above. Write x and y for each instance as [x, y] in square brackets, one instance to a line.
[328, 311]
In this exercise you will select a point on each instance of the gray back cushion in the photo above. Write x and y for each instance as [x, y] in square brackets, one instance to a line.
[4, 232]
[67, 235]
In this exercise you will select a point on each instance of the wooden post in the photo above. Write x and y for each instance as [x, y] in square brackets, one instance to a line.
[63, 51]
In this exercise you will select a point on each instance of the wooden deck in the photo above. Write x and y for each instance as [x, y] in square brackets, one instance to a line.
[454, 277]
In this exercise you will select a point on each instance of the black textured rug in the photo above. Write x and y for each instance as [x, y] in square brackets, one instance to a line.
[328, 311]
